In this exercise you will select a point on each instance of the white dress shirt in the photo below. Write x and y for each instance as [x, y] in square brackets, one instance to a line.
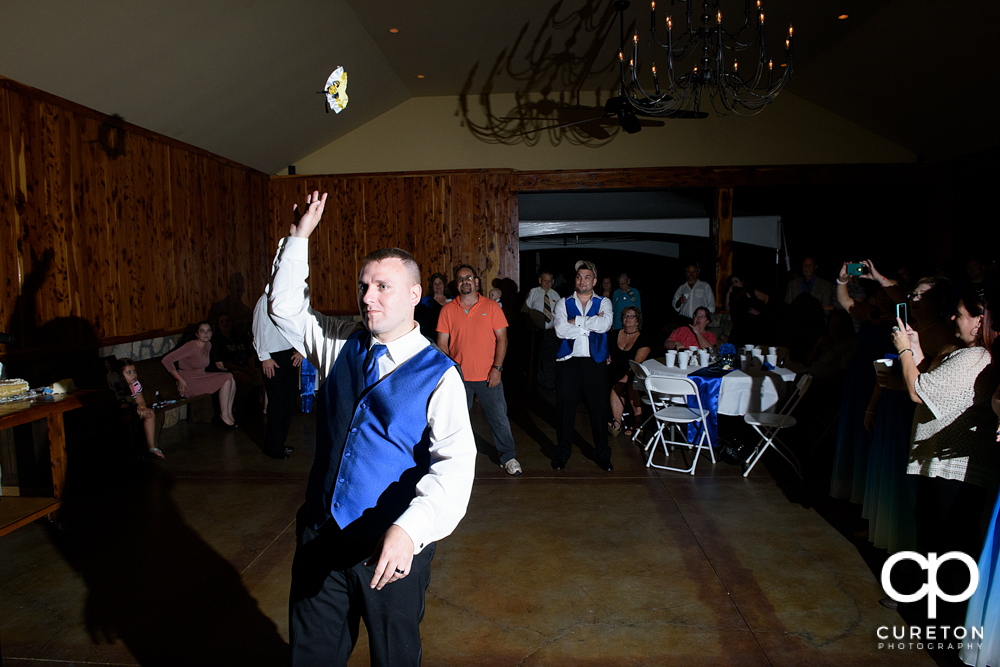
[443, 493]
[697, 296]
[266, 337]
[536, 301]
[579, 329]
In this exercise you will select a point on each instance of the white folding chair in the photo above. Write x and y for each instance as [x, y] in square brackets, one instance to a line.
[639, 383]
[767, 424]
[661, 391]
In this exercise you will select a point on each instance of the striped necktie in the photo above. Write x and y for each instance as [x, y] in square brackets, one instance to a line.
[547, 308]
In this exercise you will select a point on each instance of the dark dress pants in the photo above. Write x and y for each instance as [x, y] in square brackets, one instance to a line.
[331, 593]
[582, 378]
[282, 397]
[548, 349]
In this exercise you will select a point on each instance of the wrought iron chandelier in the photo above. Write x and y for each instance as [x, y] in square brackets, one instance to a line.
[742, 90]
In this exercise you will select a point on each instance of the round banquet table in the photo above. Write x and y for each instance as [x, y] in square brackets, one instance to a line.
[739, 392]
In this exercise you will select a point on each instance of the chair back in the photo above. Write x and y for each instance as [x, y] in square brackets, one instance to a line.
[663, 390]
[801, 387]
[640, 371]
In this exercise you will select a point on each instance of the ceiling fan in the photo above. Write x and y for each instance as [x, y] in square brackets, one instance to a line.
[592, 121]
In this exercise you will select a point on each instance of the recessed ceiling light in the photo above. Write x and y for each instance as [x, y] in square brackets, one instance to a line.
[394, 30]
[842, 17]
[420, 76]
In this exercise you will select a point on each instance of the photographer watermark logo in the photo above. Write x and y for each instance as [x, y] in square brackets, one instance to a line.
[930, 590]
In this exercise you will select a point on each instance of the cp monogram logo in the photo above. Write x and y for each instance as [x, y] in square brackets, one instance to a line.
[931, 589]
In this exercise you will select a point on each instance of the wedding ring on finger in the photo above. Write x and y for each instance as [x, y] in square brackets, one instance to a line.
[398, 571]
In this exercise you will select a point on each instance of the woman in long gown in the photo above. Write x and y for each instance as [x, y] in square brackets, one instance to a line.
[850, 462]
[191, 359]
[984, 605]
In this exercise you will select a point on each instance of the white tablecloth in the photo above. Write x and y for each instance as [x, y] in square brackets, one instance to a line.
[741, 392]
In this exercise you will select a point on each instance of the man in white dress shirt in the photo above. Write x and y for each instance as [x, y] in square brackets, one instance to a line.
[582, 322]
[395, 459]
[693, 294]
[280, 363]
[540, 305]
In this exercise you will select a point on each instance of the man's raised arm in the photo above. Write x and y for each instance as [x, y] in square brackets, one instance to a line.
[319, 336]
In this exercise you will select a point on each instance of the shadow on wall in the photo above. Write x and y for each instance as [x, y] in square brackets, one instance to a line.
[233, 304]
[69, 344]
[566, 54]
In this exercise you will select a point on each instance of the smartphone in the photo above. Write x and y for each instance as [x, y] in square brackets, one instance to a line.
[856, 269]
[901, 313]
[882, 364]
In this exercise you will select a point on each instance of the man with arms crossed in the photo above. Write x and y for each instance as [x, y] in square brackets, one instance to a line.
[395, 459]
[472, 330]
[582, 322]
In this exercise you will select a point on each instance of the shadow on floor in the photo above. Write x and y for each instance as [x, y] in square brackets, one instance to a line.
[152, 582]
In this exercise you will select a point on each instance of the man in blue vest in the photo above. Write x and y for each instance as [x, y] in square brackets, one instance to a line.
[395, 458]
[582, 322]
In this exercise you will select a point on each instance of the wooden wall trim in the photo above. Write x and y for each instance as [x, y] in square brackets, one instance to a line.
[727, 177]
[135, 130]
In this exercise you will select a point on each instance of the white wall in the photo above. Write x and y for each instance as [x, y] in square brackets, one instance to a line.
[426, 133]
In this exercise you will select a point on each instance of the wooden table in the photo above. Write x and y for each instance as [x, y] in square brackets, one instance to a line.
[17, 511]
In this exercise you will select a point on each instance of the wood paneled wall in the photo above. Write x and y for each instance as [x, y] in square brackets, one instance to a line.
[443, 218]
[116, 246]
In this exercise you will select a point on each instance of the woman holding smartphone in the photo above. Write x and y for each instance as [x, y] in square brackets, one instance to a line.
[953, 450]
[875, 314]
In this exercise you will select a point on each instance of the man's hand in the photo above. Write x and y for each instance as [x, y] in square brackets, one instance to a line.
[681, 301]
[493, 379]
[269, 365]
[297, 359]
[308, 221]
[392, 557]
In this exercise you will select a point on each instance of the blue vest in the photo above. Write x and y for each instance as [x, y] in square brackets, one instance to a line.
[372, 445]
[598, 341]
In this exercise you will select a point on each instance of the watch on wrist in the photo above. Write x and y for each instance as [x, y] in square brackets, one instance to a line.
[499, 368]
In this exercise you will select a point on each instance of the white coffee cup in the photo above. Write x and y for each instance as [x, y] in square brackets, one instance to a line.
[773, 360]
[703, 357]
[671, 358]
[748, 347]
[772, 350]
[682, 359]
[692, 348]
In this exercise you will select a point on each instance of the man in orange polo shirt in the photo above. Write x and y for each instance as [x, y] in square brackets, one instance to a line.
[472, 330]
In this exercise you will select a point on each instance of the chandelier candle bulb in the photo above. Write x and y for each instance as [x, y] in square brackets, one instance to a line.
[652, 13]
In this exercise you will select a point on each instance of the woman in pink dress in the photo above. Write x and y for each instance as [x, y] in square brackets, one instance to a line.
[192, 380]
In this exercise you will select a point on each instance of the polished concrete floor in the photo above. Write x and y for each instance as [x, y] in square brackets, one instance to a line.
[186, 562]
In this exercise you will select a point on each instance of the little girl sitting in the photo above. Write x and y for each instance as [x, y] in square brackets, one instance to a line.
[148, 417]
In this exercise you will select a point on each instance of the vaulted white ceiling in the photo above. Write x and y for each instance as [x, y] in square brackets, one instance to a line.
[239, 78]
